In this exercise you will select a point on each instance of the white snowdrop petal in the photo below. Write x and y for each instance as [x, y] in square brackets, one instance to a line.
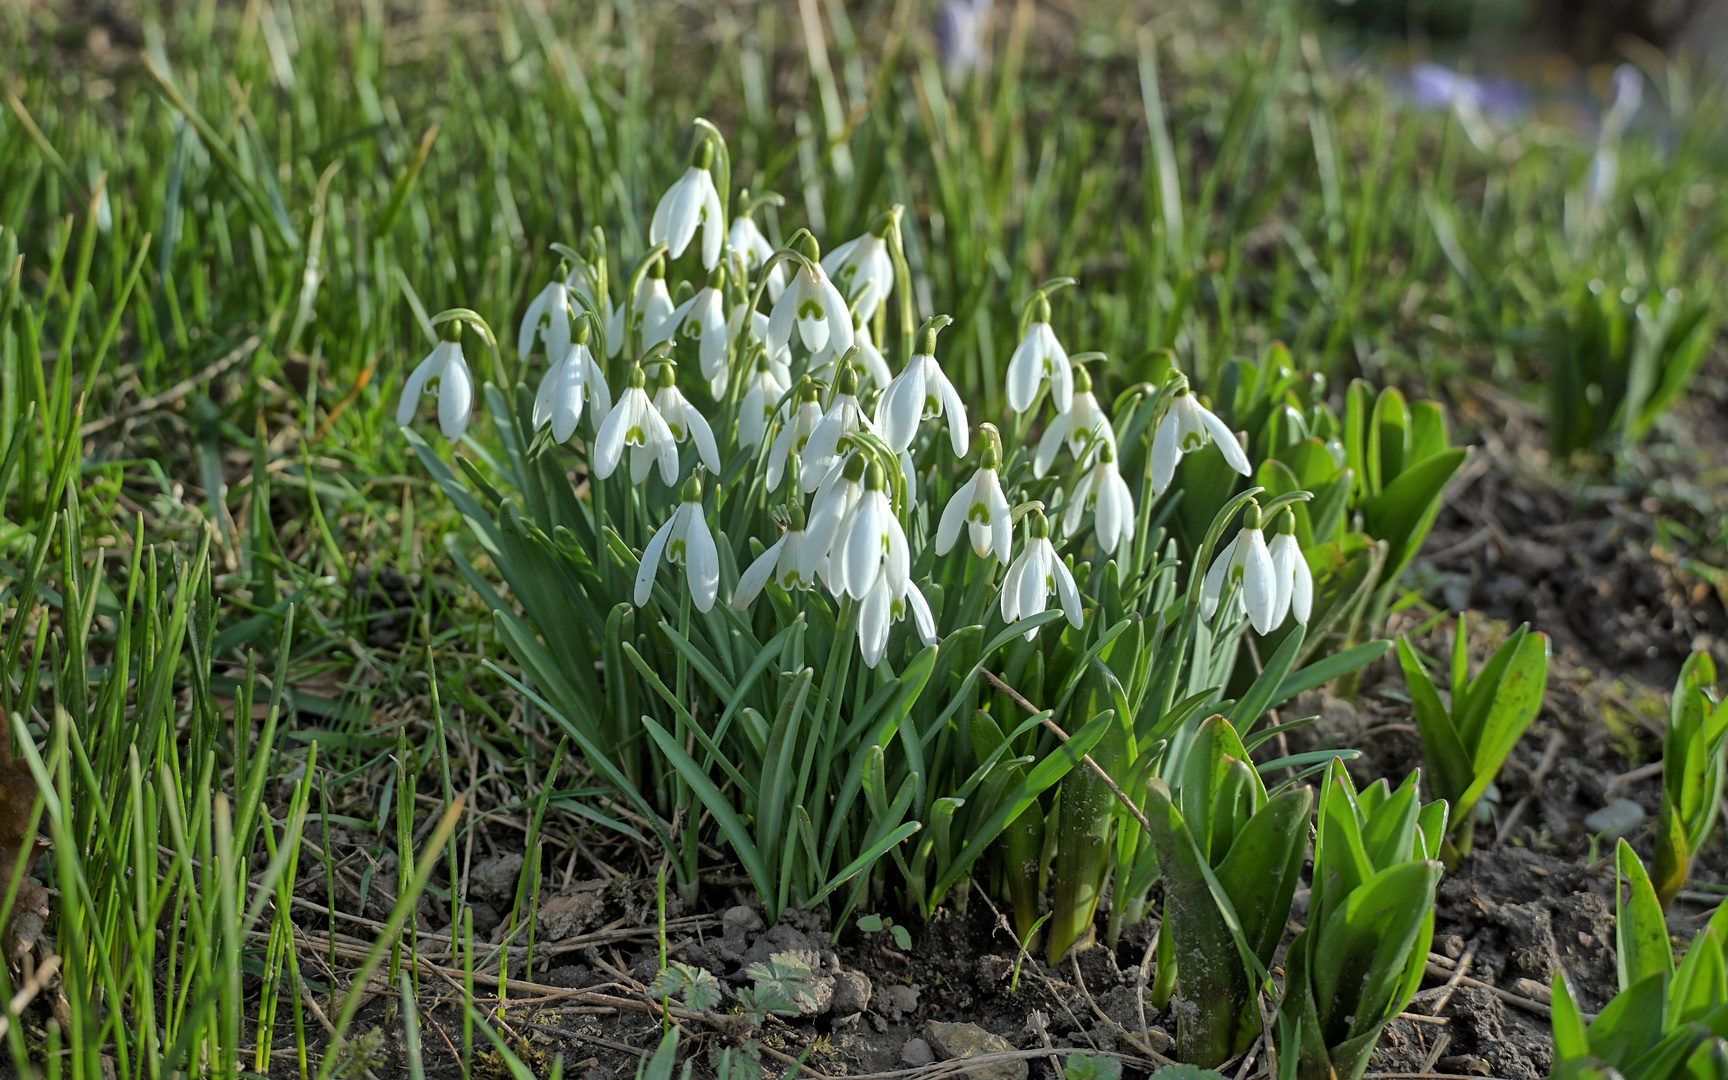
[1067, 592]
[701, 560]
[651, 562]
[756, 575]
[1166, 452]
[609, 443]
[416, 385]
[1023, 373]
[921, 615]
[1049, 444]
[455, 395]
[953, 516]
[873, 619]
[703, 436]
[711, 213]
[1302, 590]
[1226, 440]
[1258, 587]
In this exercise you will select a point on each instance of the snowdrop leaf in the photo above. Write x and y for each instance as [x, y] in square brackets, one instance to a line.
[1404, 511]
[1448, 761]
[737, 834]
[1324, 671]
[1259, 696]
[1640, 933]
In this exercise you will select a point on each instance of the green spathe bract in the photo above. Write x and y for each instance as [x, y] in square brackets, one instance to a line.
[1370, 919]
[1464, 746]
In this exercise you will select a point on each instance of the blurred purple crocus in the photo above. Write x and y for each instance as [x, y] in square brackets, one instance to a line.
[960, 35]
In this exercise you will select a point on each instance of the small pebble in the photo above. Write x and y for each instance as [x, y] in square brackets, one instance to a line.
[917, 1053]
[1615, 818]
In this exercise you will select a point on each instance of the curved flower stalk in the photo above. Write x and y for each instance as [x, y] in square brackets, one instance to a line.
[982, 507]
[569, 383]
[1081, 425]
[813, 305]
[691, 202]
[1037, 573]
[683, 420]
[1039, 359]
[1188, 426]
[684, 540]
[635, 423]
[455, 385]
[1102, 490]
[862, 270]
[1246, 566]
[1290, 570]
[794, 432]
[922, 392]
[652, 307]
[778, 563]
[754, 249]
[548, 318]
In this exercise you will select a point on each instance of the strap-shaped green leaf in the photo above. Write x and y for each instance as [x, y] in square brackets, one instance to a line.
[1700, 983]
[1404, 511]
[1448, 762]
[1631, 1023]
[1515, 705]
[1260, 693]
[1324, 671]
[1262, 866]
[1570, 1041]
[1361, 954]
[731, 825]
[1640, 934]
[1470, 713]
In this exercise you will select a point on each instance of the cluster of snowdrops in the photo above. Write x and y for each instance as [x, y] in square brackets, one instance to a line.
[791, 373]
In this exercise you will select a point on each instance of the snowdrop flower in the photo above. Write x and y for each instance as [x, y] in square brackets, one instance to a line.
[1080, 425]
[763, 389]
[870, 544]
[1036, 573]
[548, 317]
[684, 422]
[779, 564]
[689, 202]
[1290, 571]
[1039, 357]
[812, 303]
[794, 433]
[861, 269]
[572, 379]
[881, 609]
[702, 318]
[747, 240]
[843, 416]
[455, 385]
[981, 506]
[1103, 491]
[652, 306]
[832, 506]
[921, 391]
[635, 423]
[683, 541]
[1187, 426]
[1246, 564]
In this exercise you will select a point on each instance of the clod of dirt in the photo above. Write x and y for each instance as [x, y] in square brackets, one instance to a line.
[570, 976]
[783, 938]
[969, 1040]
[1479, 1024]
[917, 1053]
[577, 907]
[900, 999]
[851, 993]
[495, 878]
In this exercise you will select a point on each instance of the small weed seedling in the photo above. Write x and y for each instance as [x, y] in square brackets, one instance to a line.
[783, 988]
[873, 924]
[696, 988]
[1692, 773]
[1080, 1066]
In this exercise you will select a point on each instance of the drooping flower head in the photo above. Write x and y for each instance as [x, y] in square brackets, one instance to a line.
[548, 317]
[690, 202]
[1245, 568]
[651, 307]
[778, 563]
[455, 384]
[702, 319]
[754, 250]
[1038, 359]
[683, 420]
[1035, 574]
[1188, 426]
[812, 304]
[1103, 491]
[842, 417]
[794, 432]
[1080, 426]
[1290, 571]
[570, 382]
[981, 506]
[862, 269]
[684, 540]
[635, 423]
[920, 392]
